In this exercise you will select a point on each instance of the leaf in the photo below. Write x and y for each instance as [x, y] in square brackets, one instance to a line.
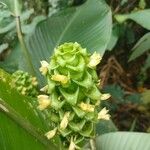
[15, 6]
[123, 141]
[88, 24]
[29, 28]
[12, 23]
[18, 114]
[114, 37]
[10, 64]
[3, 47]
[105, 126]
[141, 47]
[141, 17]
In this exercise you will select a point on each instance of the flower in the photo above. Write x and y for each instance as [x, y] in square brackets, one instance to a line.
[44, 67]
[87, 107]
[94, 60]
[103, 114]
[44, 89]
[44, 102]
[105, 96]
[65, 121]
[51, 133]
[60, 78]
[72, 145]
[34, 81]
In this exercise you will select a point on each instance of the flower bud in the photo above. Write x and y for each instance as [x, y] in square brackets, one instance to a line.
[44, 102]
[105, 96]
[87, 107]
[65, 121]
[94, 60]
[60, 78]
[44, 67]
[72, 145]
[51, 133]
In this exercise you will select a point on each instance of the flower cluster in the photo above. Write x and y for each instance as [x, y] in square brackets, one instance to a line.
[71, 94]
[24, 83]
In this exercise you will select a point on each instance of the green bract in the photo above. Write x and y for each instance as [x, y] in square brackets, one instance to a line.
[73, 94]
[24, 83]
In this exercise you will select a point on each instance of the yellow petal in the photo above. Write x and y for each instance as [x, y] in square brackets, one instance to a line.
[103, 114]
[72, 145]
[34, 81]
[87, 107]
[51, 133]
[94, 60]
[105, 96]
[65, 121]
[44, 67]
[60, 78]
[44, 102]
[44, 89]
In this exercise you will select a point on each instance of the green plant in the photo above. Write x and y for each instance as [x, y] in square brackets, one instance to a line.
[70, 90]
[24, 83]
[73, 97]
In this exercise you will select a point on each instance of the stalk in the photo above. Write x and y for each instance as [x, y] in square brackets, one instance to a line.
[23, 45]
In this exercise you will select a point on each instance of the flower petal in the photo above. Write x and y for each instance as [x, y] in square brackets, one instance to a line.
[94, 60]
[105, 96]
[60, 78]
[87, 107]
[44, 102]
[44, 67]
[103, 114]
[65, 121]
[51, 133]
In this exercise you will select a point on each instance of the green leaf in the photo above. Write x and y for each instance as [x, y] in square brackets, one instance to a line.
[123, 141]
[114, 37]
[12, 23]
[15, 6]
[141, 17]
[20, 121]
[105, 126]
[71, 98]
[88, 24]
[141, 47]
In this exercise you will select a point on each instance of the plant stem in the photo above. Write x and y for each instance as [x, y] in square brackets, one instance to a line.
[25, 124]
[23, 45]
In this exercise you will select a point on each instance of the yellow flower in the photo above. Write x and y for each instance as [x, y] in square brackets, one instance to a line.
[34, 81]
[44, 89]
[65, 121]
[103, 114]
[94, 60]
[105, 96]
[87, 107]
[72, 145]
[60, 78]
[51, 133]
[44, 67]
[44, 102]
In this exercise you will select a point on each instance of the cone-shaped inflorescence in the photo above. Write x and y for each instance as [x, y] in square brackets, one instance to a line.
[72, 95]
[24, 83]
